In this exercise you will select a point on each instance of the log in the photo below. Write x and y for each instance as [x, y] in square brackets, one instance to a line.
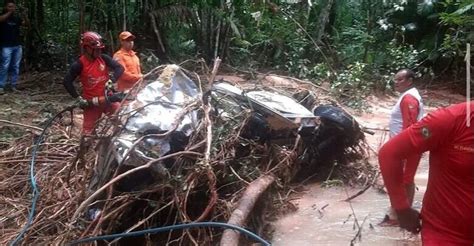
[245, 206]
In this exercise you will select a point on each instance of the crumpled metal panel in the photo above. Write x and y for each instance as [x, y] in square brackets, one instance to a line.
[155, 110]
[285, 111]
[157, 106]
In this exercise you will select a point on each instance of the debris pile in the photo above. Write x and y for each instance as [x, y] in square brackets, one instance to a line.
[181, 150]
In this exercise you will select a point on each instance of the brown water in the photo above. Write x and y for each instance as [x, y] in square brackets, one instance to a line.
[324, 218]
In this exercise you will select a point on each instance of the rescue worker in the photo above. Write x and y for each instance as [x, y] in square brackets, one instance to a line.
[130, 62]
[92, 68]
[407, 111]
[447, 214]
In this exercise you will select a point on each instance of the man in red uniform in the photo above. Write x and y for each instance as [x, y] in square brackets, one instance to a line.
[447, 214]
[407, 111]
[92, 68]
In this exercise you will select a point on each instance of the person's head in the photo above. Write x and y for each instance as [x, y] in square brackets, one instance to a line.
[9, 6]
[91, 44]
[126, 40]
[403, 80]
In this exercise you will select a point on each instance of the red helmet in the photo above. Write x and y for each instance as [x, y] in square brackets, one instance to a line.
[91, 40]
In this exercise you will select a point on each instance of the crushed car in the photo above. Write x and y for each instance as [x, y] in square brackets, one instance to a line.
[158, 113]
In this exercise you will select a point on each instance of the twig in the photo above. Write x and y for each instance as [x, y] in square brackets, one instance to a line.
[377, 129]
[213, 199]
[365, 188]
[237, 175]
[144, 220]
[207, 109]
[359, 232]
[352, 209]
[22, 125]
[213, 75]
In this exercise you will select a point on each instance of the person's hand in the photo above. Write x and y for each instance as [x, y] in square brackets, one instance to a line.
[81, 102]
[409, 220]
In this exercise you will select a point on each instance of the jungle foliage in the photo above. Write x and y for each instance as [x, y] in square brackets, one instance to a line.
[353, 44]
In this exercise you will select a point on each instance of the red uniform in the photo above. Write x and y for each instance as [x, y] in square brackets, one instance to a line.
[410, 108]
[448, 204]
[93, 75]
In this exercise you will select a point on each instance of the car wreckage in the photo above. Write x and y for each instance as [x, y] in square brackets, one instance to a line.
[256, 132]
[158, 114]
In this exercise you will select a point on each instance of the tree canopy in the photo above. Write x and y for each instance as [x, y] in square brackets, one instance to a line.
[352, 43]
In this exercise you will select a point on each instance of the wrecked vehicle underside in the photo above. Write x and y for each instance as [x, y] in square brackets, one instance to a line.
[255, 133]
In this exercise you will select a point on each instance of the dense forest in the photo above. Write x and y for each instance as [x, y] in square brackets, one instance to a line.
[354, 44]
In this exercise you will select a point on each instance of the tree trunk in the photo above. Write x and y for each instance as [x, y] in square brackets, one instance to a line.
[124, 13]
[244, 208]
[161, 47]
[370, 24]
[323, 20]
[40, 15]
[81, 16]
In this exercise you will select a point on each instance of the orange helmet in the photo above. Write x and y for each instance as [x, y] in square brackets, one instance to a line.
[92, 40]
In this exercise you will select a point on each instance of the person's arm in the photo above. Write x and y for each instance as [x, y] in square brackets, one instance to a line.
[391, 157]
[5, 16]
[68, 81]
[410, 109]
[114, 66]
[428, 134]
[127, 76]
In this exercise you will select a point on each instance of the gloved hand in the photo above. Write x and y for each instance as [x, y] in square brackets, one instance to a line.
[116, 97]
[109, 85]
[81, 102]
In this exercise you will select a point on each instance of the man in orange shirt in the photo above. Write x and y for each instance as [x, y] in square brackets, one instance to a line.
[129, 60]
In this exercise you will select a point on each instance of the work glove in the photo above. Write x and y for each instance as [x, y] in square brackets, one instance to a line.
[81, 102]
[116, 97]
[109, 85]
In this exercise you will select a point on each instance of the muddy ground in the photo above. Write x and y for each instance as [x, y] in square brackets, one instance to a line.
[41, 96]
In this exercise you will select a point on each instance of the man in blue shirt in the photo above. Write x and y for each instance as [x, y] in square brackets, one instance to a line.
[10, 45]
